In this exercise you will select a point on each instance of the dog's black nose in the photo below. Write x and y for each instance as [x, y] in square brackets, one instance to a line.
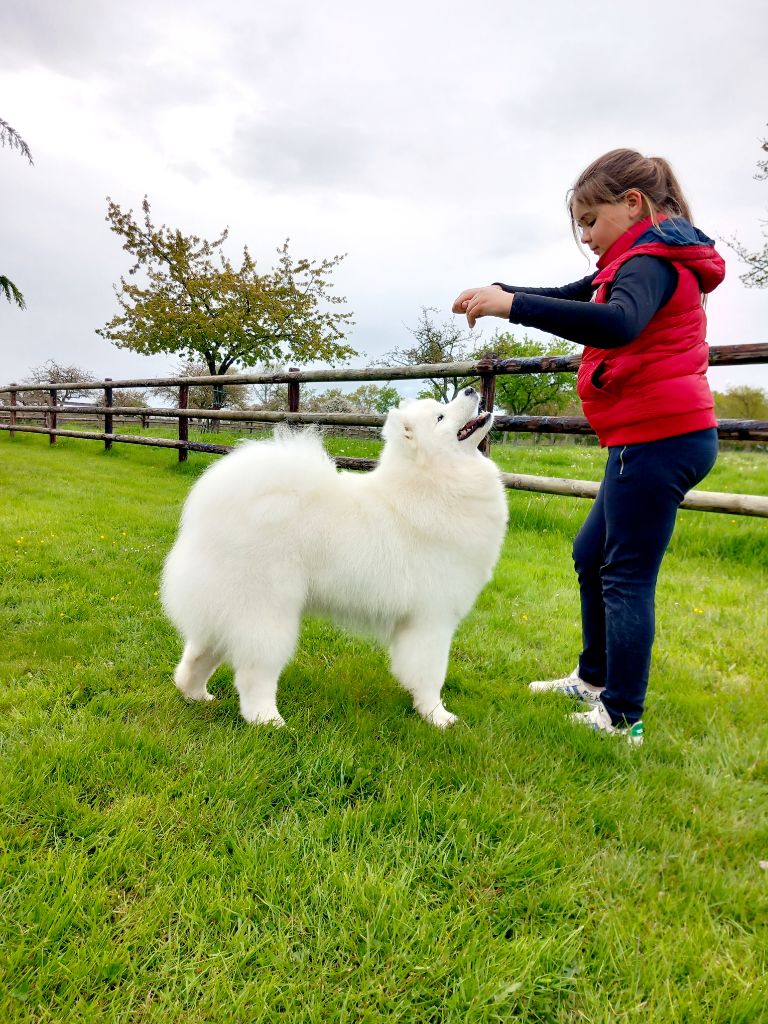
[469, 391]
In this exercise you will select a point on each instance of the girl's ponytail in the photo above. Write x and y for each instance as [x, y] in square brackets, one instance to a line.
[676, 204]
[611, 176]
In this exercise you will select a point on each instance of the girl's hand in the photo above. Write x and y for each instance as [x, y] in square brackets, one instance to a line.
[489, 301]
[460, 304]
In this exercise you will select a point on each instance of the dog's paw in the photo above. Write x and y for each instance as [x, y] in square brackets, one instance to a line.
[204, 696]
[442, 718]
[266, 718]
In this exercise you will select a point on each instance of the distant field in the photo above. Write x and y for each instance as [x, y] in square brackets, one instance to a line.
[165, 862]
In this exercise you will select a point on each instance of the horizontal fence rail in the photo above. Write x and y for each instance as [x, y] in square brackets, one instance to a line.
[485, 370]
[727, 429]
[719, 355]
[699, 501]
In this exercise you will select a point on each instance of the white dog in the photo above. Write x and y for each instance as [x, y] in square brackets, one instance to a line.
[274, 531]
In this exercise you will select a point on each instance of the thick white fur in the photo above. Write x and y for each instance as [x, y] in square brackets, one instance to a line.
[273, 532]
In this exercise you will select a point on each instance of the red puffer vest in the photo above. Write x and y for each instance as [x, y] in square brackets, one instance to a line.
[655, 386]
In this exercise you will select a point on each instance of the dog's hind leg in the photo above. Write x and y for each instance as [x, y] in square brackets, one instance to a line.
[196, 667]
[419, 659]
[258, 695]
[259, 660]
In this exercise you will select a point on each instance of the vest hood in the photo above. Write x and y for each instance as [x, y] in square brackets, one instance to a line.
[672, 238]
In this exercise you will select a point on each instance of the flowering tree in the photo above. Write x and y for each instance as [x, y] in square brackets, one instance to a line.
[195, 302]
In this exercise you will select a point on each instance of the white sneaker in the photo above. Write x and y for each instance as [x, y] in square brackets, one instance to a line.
[571, 686]
[598, 718]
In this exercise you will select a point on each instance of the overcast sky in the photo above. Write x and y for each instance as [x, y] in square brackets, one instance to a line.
[433, 142]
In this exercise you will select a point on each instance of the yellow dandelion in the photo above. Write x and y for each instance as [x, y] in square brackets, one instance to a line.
[698, 611]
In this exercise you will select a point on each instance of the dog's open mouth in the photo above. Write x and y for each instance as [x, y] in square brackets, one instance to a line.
[470, 427]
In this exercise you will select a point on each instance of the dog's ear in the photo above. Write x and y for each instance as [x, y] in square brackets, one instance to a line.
[397, 424]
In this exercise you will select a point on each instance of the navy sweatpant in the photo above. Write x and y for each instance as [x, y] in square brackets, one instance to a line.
[617, 555]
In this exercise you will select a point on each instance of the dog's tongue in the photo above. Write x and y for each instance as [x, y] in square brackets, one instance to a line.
[469, 428]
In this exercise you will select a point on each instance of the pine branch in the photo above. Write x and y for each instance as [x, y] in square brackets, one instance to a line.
[11, 292]
[11, 138]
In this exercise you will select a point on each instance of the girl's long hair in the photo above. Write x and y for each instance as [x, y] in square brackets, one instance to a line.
[611, 176]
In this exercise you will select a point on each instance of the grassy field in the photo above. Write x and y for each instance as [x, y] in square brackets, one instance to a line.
[165, 862]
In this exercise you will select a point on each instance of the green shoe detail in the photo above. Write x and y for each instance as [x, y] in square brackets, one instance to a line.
[635, 733]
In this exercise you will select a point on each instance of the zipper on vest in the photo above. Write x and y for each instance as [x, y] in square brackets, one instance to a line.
[621, 460]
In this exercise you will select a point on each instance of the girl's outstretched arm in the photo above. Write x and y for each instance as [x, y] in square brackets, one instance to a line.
[486, 301]
[642, 286]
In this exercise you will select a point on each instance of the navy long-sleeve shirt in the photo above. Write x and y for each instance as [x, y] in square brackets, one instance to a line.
[641, 287]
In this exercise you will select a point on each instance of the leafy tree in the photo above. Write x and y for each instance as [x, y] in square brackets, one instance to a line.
[368, 398]
[542, 393]
[197, 303]
[330, 400]
[757, 275]
[742, 403]
[270, 396]
[435, 343]
[515, 393]
[375, 399]
[54, 373]
[133, 397]
[11, 138]
[273, 396]
[201, 396]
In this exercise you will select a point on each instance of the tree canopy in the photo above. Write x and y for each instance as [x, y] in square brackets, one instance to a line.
[51, 372]
[516, 394]
[742, 402]
[201, 396]
[542, 393]
[435, 342]
[193, 301]
[368, 398]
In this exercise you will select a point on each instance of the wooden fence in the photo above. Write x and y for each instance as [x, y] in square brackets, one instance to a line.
[485, 370]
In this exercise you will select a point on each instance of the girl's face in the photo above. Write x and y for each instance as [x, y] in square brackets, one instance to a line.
[602, 223]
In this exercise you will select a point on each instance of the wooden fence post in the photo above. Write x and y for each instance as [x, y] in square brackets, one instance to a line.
[52, 419]
[183, 420]
[488, 394]
[293, 391]
[108, 417]
[12, 417]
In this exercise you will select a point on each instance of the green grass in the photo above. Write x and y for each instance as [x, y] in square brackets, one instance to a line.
[165, 862]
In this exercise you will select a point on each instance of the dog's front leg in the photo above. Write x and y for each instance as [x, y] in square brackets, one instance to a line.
[419, 659]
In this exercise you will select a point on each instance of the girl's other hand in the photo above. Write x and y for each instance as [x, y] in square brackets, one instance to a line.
[489, 301]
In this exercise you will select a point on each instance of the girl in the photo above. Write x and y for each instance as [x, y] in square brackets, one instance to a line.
[644, 391]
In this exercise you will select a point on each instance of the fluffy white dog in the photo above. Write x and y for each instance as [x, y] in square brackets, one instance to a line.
[274, 531]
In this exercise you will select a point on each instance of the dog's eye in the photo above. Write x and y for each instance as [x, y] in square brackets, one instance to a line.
[440, 417]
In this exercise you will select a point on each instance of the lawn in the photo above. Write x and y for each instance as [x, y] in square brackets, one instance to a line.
[164, 862]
